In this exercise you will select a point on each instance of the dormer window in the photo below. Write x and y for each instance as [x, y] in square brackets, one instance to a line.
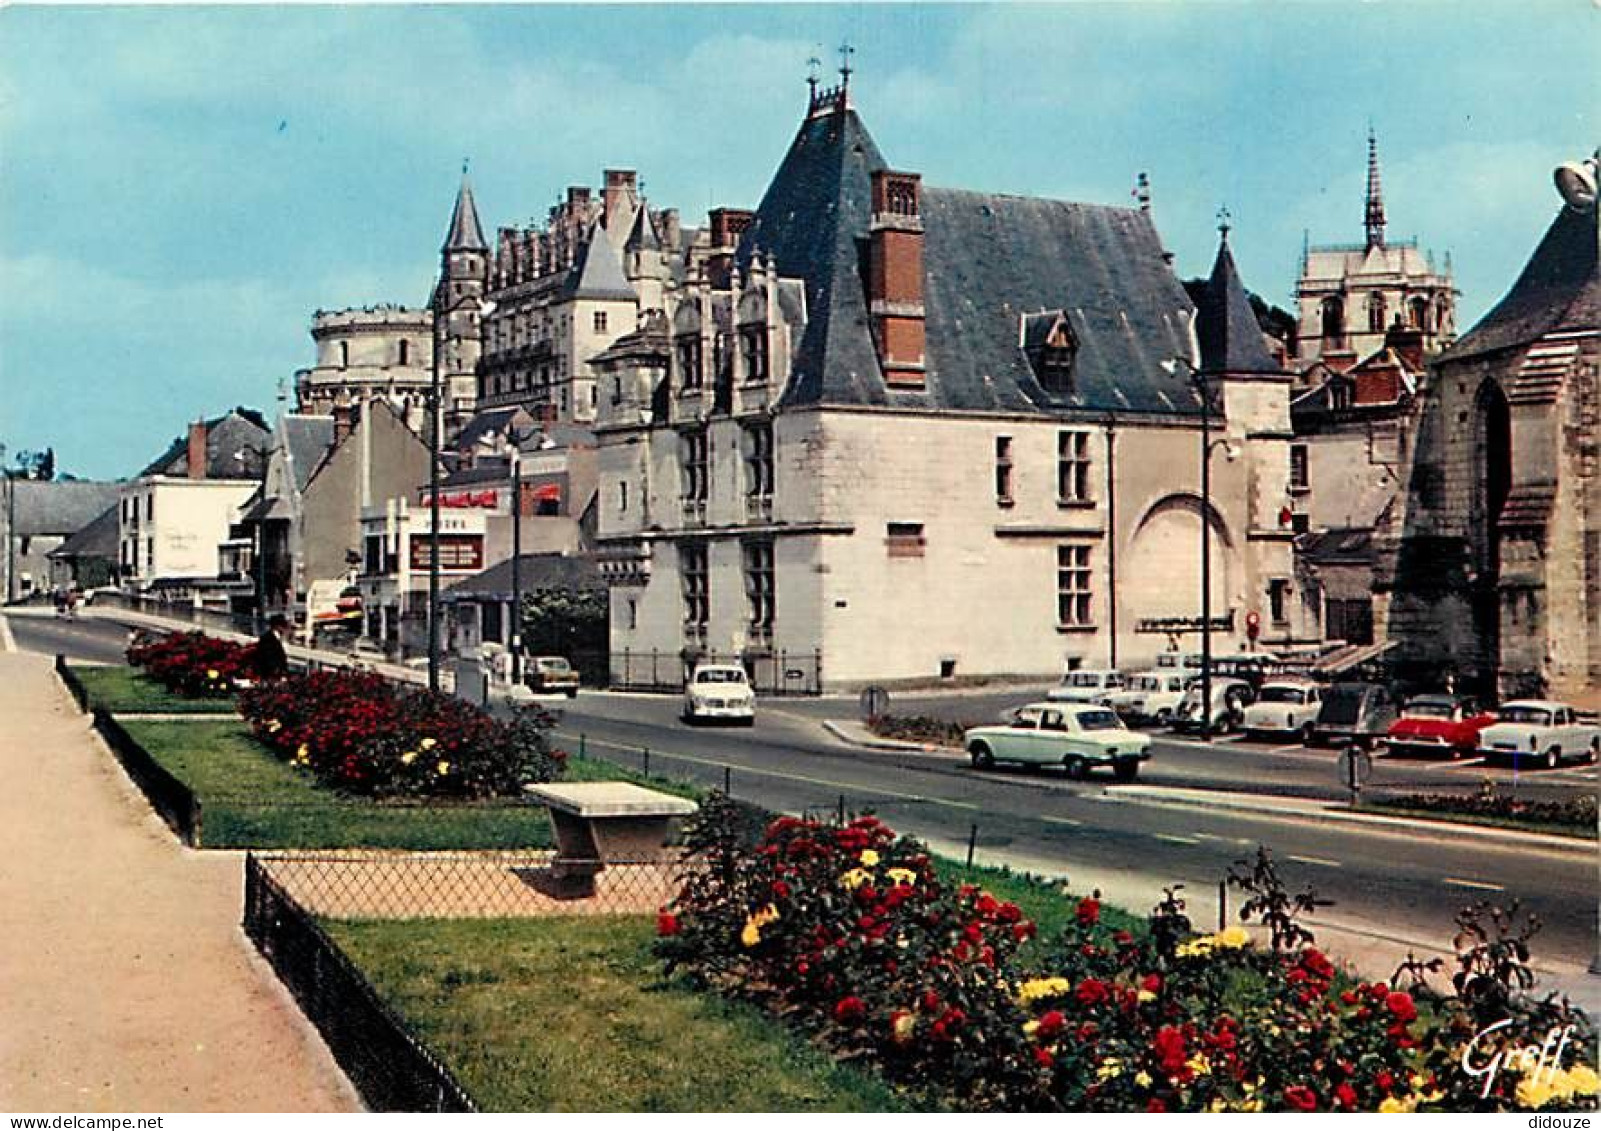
[1052, 349]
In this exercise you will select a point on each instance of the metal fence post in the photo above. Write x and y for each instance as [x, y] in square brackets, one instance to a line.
[728, 781]
[972, 843]
[1222, 904]
[646, 761]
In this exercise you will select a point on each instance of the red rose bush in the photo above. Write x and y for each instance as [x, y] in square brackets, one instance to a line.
[848, 932]
[194, 664]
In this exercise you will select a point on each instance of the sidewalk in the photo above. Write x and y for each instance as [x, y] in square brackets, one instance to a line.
[125, 982]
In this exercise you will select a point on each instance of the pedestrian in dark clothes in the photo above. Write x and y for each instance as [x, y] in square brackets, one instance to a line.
[271, 662]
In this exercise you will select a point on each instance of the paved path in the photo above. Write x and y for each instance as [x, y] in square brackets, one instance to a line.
[125, 981]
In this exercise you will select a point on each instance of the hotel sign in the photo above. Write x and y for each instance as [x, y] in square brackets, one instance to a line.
[1174, 625]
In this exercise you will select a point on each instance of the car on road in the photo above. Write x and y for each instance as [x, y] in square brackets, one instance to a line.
[1433, 725]
[1079, 737]
[720, 693]
[550, 675]
[1353, 712]
[1150, 696]
[1230, 697]
[1087, 685]
[1283, 706]
[1539, 731]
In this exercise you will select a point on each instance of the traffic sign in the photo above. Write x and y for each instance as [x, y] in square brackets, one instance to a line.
[875, 702]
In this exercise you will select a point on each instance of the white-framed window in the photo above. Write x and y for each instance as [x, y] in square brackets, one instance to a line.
[1074, 596]
[599, 322]
[1073, 467]
[759, 589]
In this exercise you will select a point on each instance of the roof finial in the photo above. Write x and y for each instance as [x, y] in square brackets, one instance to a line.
[465, 163]
[845, 53]
[1142, 192]
[1374, 217]
[812, 65]
[1223, 218]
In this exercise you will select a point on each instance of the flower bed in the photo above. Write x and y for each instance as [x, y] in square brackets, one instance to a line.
[848, 932]
[361, 734]
[921, 729]
[1576, 814]
[193, 664]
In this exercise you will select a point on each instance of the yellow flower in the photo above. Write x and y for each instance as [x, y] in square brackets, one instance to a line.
[1110, 1069]
[1030, 1028]
[1146, 995]
[408, 757]
[1533, 1091]
[443, 768]
[1198, 1065]
[1142, 1078]
[854, 879]
[211, 673]
[1195, 948]
[1232, 937]
[428, 744]
[274, 726]
[1037, 988]
[1394, 1105]
[1584, 1079]
[869, 857]
[752, 932]
[1248, 1105]
[905, 1026]
[902, 875]
[303, 755]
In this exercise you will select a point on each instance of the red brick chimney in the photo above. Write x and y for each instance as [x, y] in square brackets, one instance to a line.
[197, 450]
[727, 225]
[1407, 342]
[895, 276]
[344, 414]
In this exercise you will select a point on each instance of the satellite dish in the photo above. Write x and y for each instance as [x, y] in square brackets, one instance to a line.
[1576, 181]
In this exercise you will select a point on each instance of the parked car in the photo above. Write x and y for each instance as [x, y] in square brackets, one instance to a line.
[1077, 737]
[719, 692]
[1284, 706]
[1189, 663]
[1087, 685]
[550, 675]
[1354, 712]
[1230, 697]
[1438, 724]
[1150, 696]
[1541, 731]
[1255, 668]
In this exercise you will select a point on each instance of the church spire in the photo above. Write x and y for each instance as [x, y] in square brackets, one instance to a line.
[1374, 220]
[465, 233]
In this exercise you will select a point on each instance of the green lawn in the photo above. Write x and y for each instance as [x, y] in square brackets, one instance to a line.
[572, 1015]
[250, 799]
[124, 690]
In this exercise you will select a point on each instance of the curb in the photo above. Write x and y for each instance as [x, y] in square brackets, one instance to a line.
[840, 731]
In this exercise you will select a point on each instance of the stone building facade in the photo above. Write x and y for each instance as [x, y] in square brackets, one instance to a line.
[375, 351]
[1491, 571]
[905, 433]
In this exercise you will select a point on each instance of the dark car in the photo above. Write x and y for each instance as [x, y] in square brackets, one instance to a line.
[550, 675]
[1354, 712]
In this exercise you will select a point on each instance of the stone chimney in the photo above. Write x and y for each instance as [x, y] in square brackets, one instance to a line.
[618, 201]
[1407, 342]
[895, 276]
[197, 450]
[344, 414]
[727, 225]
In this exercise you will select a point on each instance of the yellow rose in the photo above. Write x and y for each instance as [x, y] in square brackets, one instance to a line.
[443, 768]
[905, 1026]
[1142, 1078]
[1030, 1028]
[751, 935]
[1533, 1091]
[211, 673]
[303, 755]
[1037, 988]
[1393, 1105]
[869, 857]
[902, 875]
[1232, 937]
[408, 757]
[428, 744]
[1110, 1069]
[854, 879]
[1198, 1065]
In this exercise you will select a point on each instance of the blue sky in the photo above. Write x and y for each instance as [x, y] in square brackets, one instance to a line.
[180, 187]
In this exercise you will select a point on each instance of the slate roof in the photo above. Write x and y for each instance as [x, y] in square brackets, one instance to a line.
[465, 233]
[988, 260]
[489, 422]
[1346, 545]
[57, 506]
[643, 237]
[1558, 290]
[96, 540]
[598, 273]
[1226, 327]
[536, 571]
[310, 439]
[242, 430]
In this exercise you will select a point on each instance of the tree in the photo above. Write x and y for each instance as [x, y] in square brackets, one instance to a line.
[568, 622]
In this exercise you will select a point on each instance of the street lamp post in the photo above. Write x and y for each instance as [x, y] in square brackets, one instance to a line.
[1206, 557]
[515, 635]
[434, 398]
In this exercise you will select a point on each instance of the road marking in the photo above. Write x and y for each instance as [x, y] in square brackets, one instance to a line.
[1174, 839]
[743, 768]
[1314, 860]
[8, 643]
[1476, 884]
[1062, 821]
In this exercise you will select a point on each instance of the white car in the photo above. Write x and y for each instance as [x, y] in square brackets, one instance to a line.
[1284, 706]
[1539, 731]
[719, 692]
[1087, 685]
[1150, 696]
[1078, 737]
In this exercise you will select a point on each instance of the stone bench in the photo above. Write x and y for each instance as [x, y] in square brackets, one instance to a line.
[600, 823]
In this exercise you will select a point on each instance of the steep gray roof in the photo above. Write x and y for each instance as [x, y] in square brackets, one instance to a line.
[988, 261]
[96, 540]
[1558, 290]
[241, 432]
[309, 438]
[465, 233]
[59, 507]
[598, 273]
[643, 237]
[1226, 327]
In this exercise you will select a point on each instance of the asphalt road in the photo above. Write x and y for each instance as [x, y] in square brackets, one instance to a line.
[1391, 881]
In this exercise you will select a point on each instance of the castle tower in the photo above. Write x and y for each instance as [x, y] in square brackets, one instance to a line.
[457, 302]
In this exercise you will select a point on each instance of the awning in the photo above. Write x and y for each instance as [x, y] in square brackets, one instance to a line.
[547, 493]
[1351, 656]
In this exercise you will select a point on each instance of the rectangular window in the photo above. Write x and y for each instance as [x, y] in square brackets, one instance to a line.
[697, 594]
[1003, 470]
[753, 352]
[1278, 592]
[622, 496]
[1300, 522]
[696, 471]
[1073, 467]
[759, 589]
[689, 361]
[150, 507]
[759, 461]
[600, 322]
[1298, 468]
[905, 539]
[1073, 587]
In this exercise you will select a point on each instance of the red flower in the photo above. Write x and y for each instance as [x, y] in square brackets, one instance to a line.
[1170, 1051]
[1024, 931]
[1009, 913]
[1092, 991]
[1151, 983]
[1051, 1024]
[1043, 1058]
[849, 1009]
[1300, 1097]
[1089, 912]
[666, 924]
[1155, 1104]
[1402, 1007]
[1384, 1081]
[1345, 1097]
[780, 889]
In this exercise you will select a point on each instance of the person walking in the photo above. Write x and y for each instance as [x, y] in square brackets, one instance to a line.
[270, 660]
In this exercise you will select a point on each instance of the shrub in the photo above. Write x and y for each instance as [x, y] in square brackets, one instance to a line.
[194, 664]
[921, 729]
[361, 734]
[846, 931]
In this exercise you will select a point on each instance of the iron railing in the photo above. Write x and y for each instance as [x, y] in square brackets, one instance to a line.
[780, 672]
[169, 797]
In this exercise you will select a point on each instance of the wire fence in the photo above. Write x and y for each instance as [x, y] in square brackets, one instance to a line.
[771, 673]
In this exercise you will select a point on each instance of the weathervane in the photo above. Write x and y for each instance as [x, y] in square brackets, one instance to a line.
[465, 161]
[1223, 219]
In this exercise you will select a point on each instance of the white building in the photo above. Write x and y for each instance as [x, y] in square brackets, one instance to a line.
[920, 433]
